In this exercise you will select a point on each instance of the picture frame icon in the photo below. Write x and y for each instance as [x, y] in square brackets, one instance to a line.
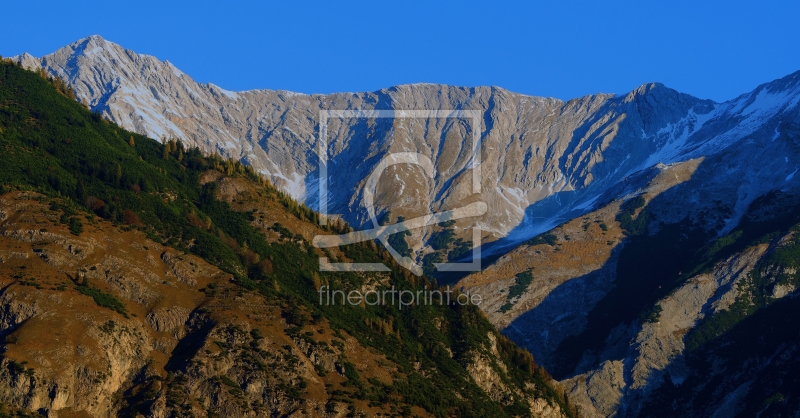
[382, 232]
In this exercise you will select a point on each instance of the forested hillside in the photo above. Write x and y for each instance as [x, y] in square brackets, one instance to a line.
[142, 277]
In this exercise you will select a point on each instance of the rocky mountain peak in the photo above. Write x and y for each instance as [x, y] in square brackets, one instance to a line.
[543, 160]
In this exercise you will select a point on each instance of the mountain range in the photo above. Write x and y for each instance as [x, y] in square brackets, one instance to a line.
[629, 237]
[147, 279]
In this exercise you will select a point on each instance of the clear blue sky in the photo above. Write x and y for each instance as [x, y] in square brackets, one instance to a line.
[564, 49]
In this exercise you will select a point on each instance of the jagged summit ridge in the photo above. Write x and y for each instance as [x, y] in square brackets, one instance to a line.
[543, 160]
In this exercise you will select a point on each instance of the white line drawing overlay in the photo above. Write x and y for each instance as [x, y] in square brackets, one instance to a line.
[382, 233]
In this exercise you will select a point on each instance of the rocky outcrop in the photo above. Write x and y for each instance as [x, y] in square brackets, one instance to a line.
[16, 309]
[645, 355]
[130, 326]
[487, 373]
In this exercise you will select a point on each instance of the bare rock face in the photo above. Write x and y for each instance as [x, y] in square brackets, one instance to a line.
[16, 309]
[600, 388]
[131, 327]
[169, 320]
[486, 373]
[532, 149]
[543, 160]
[648, 354]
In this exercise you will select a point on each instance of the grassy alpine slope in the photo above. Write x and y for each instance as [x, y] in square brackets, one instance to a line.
[195, 281]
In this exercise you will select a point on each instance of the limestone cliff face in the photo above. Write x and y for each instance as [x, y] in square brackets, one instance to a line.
[543, 161]
[532, 148]
[639, 360]
[487, 374]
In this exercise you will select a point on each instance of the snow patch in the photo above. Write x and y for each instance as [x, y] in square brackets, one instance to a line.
[402, 184]
[178, 73]
[219, 90]
[287, 93]
[295, 186]
[501, 191]
[677, 136]
[790, 176]
[765, 102]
